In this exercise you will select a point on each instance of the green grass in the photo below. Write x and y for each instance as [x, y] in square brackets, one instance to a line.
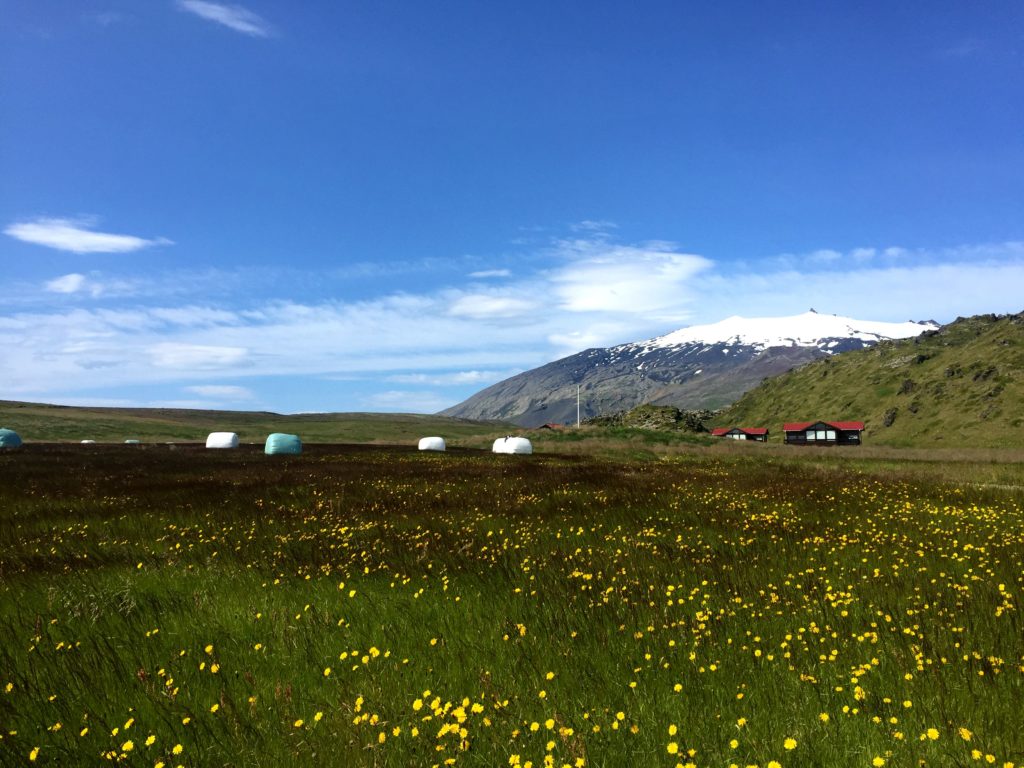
[726, 591]
[962, 386]
[37, 422]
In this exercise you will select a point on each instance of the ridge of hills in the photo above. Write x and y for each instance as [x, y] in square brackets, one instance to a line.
[38, 422]
[695, 368]
[959, 385]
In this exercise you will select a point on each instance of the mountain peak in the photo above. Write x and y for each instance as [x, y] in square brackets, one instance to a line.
[703, 366]
[809, 329]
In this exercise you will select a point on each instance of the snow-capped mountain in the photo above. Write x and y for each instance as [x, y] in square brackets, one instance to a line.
[807, 330]
[703, 366]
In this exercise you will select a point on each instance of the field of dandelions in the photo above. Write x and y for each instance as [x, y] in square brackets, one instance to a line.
[380, 607]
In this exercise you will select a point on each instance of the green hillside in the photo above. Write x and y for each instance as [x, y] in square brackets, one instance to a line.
[962, 385]
[54, 423]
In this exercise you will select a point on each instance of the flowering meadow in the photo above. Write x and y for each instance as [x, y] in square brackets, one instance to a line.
[365, 606]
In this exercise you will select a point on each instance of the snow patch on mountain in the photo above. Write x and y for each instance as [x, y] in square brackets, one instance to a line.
[809, 329]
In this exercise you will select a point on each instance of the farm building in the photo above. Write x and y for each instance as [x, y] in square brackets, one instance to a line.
[512, 445]
[432, 444]
[222, 440]
[280, 443]
[823, 432]
[9, 438]
[760, 434]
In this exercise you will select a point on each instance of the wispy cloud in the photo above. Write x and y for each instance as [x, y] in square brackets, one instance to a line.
[72, 283]
[91, 285]
[832, 260]
[232, 16]
[590, 225]
[929, 289]
[606, 278]
[406, 401]
[427, 345]
[108, 18]
[964, 49]
[183, 356]
[482, 306]
[489, 273]
[225, 392]
[77, 236]
[455, 378]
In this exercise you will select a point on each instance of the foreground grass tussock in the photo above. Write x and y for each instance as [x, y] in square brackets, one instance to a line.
[379, 607]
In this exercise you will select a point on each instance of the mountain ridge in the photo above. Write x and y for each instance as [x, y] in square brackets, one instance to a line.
[695, 368]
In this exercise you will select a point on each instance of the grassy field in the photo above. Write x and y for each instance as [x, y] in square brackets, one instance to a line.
[38, 422]
[371, 606]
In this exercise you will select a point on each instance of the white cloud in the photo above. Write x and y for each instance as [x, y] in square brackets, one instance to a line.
[196, 356]
[232, 16]
[596, 294]
[222, 392]
[826, 256]
[588, 225]
[861, 255]
[406, 401]
[108, 18]
[937, 291]
[194, 316]
[481, 306]
[75, 235]
[963, 49]
[457, 378]
[72, 283]
[487, 273]
[79, 284]
[628, 280]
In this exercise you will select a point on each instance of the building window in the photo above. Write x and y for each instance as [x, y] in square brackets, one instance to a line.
[830, 435]
[810, 434]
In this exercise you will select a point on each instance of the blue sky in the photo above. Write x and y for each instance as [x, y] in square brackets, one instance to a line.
[328, 206]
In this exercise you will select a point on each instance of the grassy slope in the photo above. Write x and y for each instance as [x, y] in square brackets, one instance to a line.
[963, 386]
[53, 423]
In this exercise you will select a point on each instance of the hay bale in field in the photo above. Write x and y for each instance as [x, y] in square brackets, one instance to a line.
[222, 440]
[512, 445]
[88, 442]
[9, 438]
[132, 441]
[280, 443]
[432, 444]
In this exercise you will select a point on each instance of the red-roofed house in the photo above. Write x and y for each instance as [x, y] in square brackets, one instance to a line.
[823, 432]
[742, 433]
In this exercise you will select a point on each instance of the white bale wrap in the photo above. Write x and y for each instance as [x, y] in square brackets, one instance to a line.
[432, 444]
[222, 440]
[512, 445]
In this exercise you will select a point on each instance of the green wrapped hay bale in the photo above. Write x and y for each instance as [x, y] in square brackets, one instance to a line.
[9, 438]
[281, 443]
